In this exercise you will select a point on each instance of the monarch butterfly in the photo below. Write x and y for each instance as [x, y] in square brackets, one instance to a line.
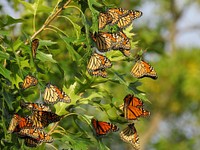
[102, 128]
[105, 40]
[104, 19]
[35, 106]
[53, 95]
[116, 14]
[35, 133]
[123, 44]
[34, 46]
[17, 123]
[129, 135]
[143, 69]
[31, 142]
[29, 81]
[133, 108]
[125, 21]
[42, 119]
[97, 65]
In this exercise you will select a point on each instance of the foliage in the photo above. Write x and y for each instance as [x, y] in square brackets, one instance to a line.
[65, 47]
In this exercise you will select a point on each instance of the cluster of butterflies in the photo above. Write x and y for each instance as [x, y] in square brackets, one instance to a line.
[106, 41]
[30, 128]
[132, 110]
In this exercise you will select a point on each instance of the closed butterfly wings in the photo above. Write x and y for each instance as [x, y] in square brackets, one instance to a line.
[103, 128]
[133, 108]
[29, 81]
[34, 46]
[97, 65]
[127, 20]
[53, 95]
[143, 69]
[129, 135]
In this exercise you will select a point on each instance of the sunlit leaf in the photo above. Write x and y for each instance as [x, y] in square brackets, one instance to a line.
[45, 57]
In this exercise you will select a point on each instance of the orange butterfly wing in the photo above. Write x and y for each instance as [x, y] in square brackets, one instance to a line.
[133, 108]
[29, 81]
[102, 128]
[42, 119]
[143, 69]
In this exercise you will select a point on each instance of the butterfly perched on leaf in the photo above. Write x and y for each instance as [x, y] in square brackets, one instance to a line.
[17, 123]
[106, 41]
[129, 135]
[103, 128]
[119, 16]
[53, 94]
[143, 69]
[35, 133]
[97, 65]
[29, 81]
[34, 106]
[34, 46]
[133, 108]
[42, 119]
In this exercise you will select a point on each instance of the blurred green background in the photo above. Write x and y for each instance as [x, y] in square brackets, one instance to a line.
[168, 31]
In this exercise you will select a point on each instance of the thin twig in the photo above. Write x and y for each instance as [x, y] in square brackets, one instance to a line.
[49, 20]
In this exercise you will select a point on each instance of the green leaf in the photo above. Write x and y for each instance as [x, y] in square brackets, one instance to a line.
[16, 80]
[77, 28]
[24, 63]
[4, 33]
[8, 20]
[75, 56]
[17, 44]
[7, 97]
[45, 57]
[28, 6]
[4, 55]
[6, 73]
